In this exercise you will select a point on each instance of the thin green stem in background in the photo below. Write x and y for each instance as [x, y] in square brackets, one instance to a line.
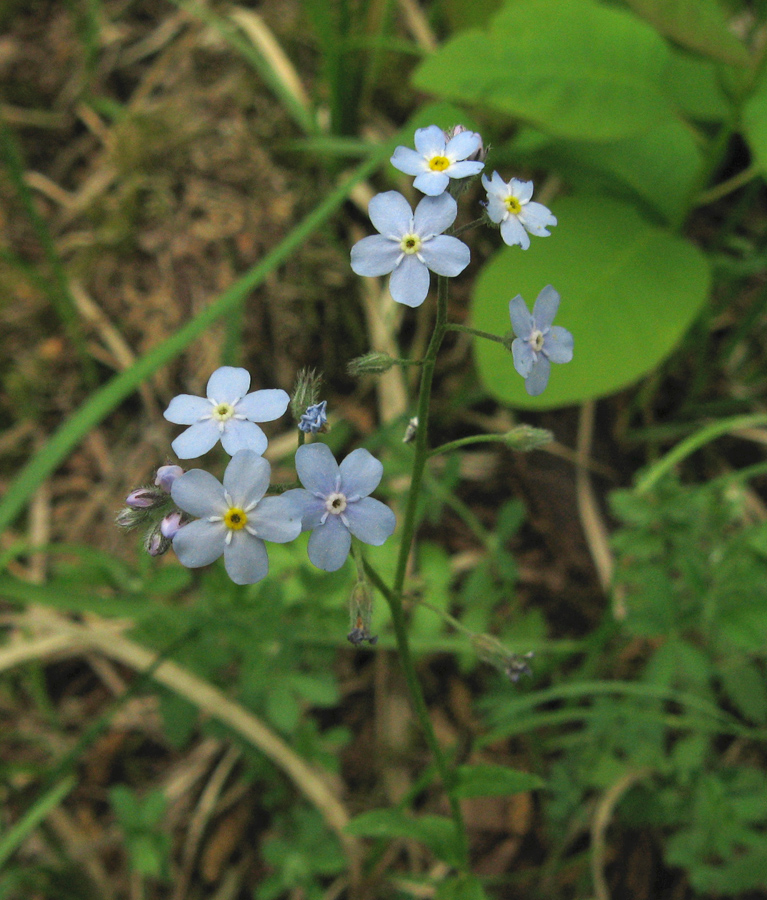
[394, 597]
[688, 446]
[452, 326]
[19, 832]
[103, 401]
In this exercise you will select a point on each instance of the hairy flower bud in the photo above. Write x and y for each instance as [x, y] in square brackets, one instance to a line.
[155, 543]
[145, 498]
[373, 363]
[525, 437]
[305, 393]
[314, 419]
[171, 524]
[479, 155]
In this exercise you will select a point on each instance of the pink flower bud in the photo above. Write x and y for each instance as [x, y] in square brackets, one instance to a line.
[170, 525]
[143, 498]
[166, 475]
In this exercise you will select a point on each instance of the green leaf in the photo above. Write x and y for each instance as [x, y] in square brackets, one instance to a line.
[461, 887]
[755, 122]
[588, 72]
[743, 683]
[695, 88]
[699, 25]
[493, 781]
[435, 832]
[629, 292]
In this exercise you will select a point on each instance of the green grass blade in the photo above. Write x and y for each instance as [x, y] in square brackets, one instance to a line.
[115, 391]
[11, 840]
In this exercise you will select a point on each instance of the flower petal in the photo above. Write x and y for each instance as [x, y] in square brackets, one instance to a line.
[245, 559]
[446, 255]
[186, 409]
[434, 214]
[409, 282]
[536, 217]
[228, 384]
[329, 545]
[521, 320]
[463, 145]
[360, 473]
[536, 381]
[375, 255]
[465, 169]
[513, 232]
[370, 520]
[196, 440]
[246, 478]
[408, 161]
[308, 508]
[524, 357]
[390, 213]
[545, 308]
[240, 435]
[263, 406]
[430, 141]
[522, 190]
[199, 543]
[433, 184]
[199, 493]
[558, 345]
[276, 519]
[317, 468]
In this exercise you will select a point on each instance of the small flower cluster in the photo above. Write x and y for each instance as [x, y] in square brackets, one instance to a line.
[205, 519]
[411, 244]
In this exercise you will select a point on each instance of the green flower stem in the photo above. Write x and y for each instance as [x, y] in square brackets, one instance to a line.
[467, 441]
[452, 326]
[469, 225]
[394, 596]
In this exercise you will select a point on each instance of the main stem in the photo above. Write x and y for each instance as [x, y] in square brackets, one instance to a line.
[394, 597]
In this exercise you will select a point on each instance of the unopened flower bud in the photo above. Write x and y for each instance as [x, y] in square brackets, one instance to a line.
[411, 431]
[491, 650]
[361, 614]
[480, 154]
[314, 419]
[525, 437]
[166, 475]
[305, 393]
[144, 498]
[373, 363]
[170, 525]
[156, 543]
[129, 518]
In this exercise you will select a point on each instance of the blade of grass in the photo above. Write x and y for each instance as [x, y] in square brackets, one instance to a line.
[115, 391]
[58, 291]
[14, 837]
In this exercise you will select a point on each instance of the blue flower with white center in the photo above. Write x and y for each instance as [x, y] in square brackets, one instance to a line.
[335, 504]
[409, 244]
[538, 342]
[314, 419]
[229, 414]
[437, 158]
[509, 204]
[233, 519]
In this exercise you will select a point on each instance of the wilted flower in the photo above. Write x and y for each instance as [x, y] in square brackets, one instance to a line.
[314, 419]
[538, 342]
[229, 414]
[335, 504]
[438, 157]
[233, 518]
[509, 205]
[410, 244]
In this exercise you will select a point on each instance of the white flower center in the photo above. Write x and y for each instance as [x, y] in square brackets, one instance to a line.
[335, 503]
[410, 243]
[536, 341]
[223, 411]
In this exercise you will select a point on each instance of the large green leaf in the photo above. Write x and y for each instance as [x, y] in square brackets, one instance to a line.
[629, 292]
[755, 122]
[587, 72]
[696, 89]
[493, 781]
[699, 25]
[659, 167]
[436, 832]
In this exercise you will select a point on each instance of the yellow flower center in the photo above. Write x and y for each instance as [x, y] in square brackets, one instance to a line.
[410, 243]
[439, 163]
[235, 518]
[513, 205]
[223, 411]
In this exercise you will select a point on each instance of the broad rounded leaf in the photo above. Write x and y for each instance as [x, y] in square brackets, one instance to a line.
[629, 292]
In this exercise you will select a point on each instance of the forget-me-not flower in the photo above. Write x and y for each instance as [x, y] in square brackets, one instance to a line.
[334, 503]
[538, 342]
[409, 244]
[233, 519]
[437, 158]
[314, 419]
[509, 205]
[229, 414]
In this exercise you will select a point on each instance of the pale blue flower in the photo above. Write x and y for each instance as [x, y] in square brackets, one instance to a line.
[233, 519]
[437, 158]
[314, 419]
[409, 244]
[335, 504]
[229, 414]
[538, 342]
[509, 205]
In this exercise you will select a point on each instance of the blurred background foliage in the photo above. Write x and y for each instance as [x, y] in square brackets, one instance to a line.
[180, 184]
